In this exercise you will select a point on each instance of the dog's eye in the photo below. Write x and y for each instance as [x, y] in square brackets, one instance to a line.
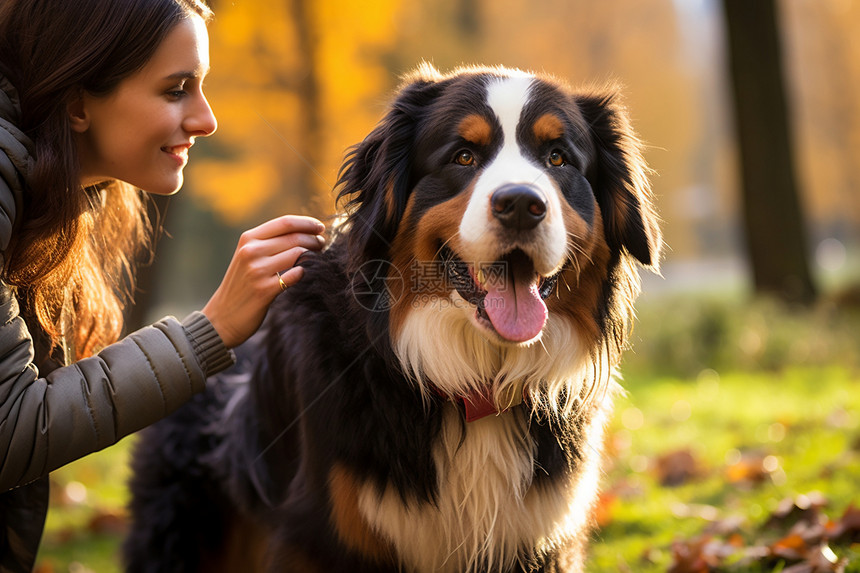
[465, 157]
[556, 159]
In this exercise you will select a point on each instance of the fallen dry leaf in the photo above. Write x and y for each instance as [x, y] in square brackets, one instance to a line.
[689, 556]
[677, 468]
[804, 544]
[108, 522]
[792, 547]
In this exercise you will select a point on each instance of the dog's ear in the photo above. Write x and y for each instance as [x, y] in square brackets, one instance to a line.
[619, 176]
[375, 180]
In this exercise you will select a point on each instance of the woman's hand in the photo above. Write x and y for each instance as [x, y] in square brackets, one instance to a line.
[251, 283]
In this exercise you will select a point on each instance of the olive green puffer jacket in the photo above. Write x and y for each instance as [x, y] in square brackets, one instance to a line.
[50, 419]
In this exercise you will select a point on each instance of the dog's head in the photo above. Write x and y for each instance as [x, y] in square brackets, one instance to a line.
[505, 209]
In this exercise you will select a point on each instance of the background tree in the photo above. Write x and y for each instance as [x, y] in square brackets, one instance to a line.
[294, 83]
[771, 211]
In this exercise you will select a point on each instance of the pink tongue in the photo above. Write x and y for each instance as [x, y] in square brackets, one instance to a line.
[513, 304]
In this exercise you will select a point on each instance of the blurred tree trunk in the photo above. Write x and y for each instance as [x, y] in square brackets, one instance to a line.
[308, 91]
[469, 18]
[772, 217]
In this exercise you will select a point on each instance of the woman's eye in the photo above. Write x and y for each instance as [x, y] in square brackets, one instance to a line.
[556, 159]
[465, 158]
[177, 91]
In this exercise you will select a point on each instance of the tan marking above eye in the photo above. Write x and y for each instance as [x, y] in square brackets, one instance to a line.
[548, 127]
[475, 129]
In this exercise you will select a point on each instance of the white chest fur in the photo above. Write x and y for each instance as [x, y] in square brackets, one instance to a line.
[488, 515]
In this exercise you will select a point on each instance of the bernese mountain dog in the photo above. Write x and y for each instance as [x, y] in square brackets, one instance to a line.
[431, 396]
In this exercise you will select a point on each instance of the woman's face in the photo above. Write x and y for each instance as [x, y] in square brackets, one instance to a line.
[141, 132]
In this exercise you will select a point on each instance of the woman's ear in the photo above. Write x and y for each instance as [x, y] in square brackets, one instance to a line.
[79, 119]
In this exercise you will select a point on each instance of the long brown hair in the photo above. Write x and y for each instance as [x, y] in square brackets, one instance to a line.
[74, 249]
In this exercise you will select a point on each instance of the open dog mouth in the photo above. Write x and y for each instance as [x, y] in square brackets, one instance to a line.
[509, 293]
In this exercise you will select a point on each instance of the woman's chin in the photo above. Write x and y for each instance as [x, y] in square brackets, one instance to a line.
[164, 188]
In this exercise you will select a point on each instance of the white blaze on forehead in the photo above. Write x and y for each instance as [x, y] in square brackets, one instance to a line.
[507, 97]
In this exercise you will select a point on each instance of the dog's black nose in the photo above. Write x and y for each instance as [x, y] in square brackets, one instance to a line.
[518, 207]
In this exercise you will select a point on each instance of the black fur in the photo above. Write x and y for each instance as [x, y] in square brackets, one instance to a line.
[343, 405]
[320, 387]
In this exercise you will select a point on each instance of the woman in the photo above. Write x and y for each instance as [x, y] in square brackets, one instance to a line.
[99, 98]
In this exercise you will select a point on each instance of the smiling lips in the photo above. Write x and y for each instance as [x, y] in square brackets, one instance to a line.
[179, 152]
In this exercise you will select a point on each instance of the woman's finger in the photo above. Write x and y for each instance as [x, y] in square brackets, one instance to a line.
[287, 259]
[290, 277]
[286, 225]
[255, 253]
[279, 244]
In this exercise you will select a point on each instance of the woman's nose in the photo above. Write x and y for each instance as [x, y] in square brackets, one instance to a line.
[201, 121]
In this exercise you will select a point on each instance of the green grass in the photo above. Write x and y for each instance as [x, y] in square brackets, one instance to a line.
[808, 419]
[86, 519]
[713, 381]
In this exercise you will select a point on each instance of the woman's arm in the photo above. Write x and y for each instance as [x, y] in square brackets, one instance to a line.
[78, 409]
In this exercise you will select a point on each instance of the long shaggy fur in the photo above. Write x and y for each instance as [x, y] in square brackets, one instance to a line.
[353, 433]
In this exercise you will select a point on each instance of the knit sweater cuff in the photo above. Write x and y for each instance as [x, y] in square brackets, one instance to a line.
[211, 352]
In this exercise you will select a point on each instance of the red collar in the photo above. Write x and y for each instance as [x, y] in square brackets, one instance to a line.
[479, 403]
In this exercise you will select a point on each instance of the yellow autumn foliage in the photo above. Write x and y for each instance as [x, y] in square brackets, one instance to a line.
[292, 89]
[294, 84]
[236, 189]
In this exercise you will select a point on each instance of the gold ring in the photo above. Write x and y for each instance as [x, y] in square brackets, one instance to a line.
[282, 283]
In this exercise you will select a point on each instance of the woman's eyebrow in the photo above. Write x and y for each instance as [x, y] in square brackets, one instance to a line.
[188, 75]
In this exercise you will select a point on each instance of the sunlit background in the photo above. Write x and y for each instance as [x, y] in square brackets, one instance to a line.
[295, 83]
[742, 418]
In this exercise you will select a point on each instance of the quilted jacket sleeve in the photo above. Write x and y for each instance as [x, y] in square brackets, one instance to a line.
[78, 409]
